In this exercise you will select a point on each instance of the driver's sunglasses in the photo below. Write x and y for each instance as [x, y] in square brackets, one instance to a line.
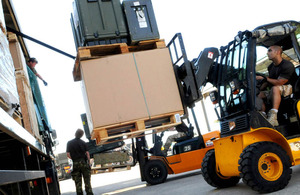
[269, 50]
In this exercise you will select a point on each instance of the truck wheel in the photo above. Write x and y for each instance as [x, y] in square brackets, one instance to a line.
[212, 176]
[265, 167]
[155, 172]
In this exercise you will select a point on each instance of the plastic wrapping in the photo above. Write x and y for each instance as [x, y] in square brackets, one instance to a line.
[2, 21]
[8, 87]
[261, 34]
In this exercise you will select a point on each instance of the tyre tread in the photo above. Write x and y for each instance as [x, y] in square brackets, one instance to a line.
[245, 164]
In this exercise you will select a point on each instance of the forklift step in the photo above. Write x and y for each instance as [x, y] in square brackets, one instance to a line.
[132, 129]
[98, 51]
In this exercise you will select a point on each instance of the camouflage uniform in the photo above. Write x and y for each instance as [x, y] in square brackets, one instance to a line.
[82, 169]
[171, 139]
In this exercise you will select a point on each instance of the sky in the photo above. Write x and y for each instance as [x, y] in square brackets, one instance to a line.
[202, 24]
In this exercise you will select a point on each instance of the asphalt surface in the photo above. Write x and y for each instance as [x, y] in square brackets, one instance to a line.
[127, 182]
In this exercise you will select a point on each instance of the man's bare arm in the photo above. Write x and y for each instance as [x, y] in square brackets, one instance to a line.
[88, 155]
[279, 81]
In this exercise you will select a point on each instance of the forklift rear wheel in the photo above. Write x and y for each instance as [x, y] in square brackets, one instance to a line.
[155, 172]
[265, 167]
[212, 176]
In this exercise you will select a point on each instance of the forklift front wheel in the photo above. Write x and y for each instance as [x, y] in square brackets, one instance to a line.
[155, 172]
[265, 167]
[212, 176]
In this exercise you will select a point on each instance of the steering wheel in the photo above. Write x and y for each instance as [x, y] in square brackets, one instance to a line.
[259, 83]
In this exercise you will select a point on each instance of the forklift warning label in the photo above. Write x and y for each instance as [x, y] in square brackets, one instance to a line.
[210, 55]
[295, 146]
[141, 18]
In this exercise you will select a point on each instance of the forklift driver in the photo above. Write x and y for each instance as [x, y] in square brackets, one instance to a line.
[182, 130]
[281, 78]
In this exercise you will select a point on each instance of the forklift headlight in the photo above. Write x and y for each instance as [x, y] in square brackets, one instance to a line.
[234, 85]
[231, 125]
[209, 143]
[213, 97]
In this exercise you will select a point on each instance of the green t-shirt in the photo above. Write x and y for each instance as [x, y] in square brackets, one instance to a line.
[33, 70]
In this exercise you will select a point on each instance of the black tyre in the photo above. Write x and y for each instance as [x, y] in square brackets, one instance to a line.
[265, 167]
[211, 176]
[155, 172]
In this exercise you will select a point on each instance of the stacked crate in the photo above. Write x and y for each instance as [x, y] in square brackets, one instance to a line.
[23, 87]
[129, 88]
[8, 90]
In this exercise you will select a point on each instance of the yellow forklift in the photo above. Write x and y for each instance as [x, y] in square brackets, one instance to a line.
[250, 147]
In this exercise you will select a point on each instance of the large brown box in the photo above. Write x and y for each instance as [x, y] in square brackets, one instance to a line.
[27, 104]
[129, 87]
[17, 53]
[24, 89]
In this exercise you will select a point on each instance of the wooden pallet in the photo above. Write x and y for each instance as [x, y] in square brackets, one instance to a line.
[12, 37]
[132, 129]
[98, 51]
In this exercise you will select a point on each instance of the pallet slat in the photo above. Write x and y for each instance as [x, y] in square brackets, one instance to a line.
[135, 129]
[98, 51]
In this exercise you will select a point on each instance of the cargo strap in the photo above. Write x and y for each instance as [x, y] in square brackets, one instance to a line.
[137, 70]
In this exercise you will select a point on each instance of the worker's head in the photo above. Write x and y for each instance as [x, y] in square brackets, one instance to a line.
[274, 52]
[79, 133]
[32, 62]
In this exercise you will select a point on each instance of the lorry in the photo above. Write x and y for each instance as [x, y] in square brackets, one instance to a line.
[251, 148]
[63, 166]
[27, 160]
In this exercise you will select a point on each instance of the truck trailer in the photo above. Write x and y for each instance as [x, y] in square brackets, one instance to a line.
[26, 137]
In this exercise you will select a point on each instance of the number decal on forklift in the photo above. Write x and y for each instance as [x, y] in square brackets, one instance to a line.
[187, 148]
[295, 146]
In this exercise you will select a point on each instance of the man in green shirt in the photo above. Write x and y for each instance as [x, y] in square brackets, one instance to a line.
[32, 62]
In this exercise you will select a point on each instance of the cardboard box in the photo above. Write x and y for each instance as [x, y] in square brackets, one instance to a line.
[17, 53]
[129, 87]
[27, 104]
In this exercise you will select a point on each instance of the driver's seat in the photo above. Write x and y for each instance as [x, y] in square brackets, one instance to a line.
[189, 135]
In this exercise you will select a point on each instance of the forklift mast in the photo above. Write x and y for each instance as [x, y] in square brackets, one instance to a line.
[140, 153]
[190, 78]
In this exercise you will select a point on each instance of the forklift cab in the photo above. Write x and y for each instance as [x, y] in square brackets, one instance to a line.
[188, 143]
[250, 147]
[289, 42]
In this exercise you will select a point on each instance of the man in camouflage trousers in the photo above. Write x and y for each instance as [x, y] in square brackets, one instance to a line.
[78, 152]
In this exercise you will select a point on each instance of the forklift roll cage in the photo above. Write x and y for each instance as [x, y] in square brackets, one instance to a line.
[250, 147]
[233, 74]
